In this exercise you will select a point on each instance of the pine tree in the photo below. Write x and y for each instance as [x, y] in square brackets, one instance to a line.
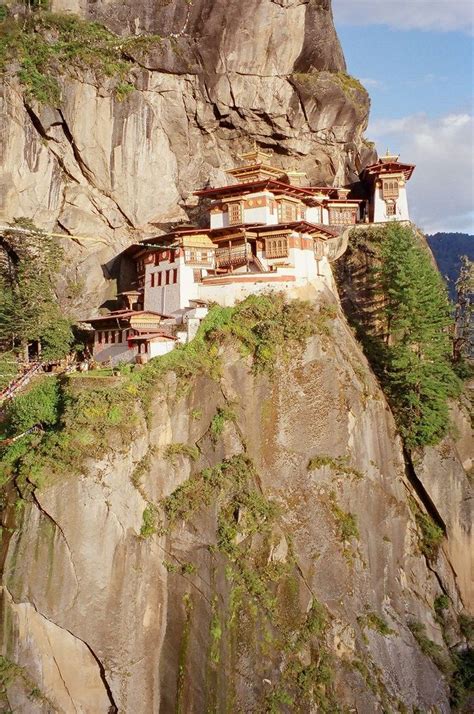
[463, 318]
[418, 372]
[28, 307]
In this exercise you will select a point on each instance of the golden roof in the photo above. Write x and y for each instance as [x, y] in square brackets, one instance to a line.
[197, 241]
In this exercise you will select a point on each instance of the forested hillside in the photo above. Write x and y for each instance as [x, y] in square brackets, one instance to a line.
[448, 248]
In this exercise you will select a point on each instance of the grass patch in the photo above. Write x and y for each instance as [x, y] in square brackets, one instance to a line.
[339, 465]
[47, 45]
[219, 420]
[431, 535]
[375, 622]
[346, 523]
[172, 451]
[430, 648]
[149, 521]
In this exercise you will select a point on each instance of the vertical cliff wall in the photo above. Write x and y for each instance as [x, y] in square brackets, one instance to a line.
[255, 546]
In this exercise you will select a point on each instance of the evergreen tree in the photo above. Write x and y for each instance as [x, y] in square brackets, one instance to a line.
[463, 318]
[28, 307]
[418, 370]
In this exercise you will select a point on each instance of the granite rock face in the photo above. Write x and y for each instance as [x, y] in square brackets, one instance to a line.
[223, 75]
[172, 621]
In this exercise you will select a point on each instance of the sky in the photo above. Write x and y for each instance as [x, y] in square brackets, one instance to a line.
[416, 57]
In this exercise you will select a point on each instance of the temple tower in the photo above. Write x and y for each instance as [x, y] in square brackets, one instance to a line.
[387, 181]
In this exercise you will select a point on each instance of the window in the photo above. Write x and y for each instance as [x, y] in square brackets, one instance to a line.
[157, 258]
[276, 246]
[100, 336]
[318, 249]
[152, 280]
[112, 337]
[235, 213]
[342, 216]
[168, 277]
[172, 256]
[175, 275]
[390, 188]
[197, 276]
[159, 279]
[391, 208]
[288, 212]
[106, 337]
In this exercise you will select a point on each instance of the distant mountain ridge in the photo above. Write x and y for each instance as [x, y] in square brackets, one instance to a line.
[448, 248]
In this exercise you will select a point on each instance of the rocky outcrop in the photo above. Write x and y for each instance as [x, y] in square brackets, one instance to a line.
[269, 557]
[105, 171]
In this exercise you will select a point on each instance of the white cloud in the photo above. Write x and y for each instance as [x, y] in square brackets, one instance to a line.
[373, 83]
[440, 15]
[441, 192]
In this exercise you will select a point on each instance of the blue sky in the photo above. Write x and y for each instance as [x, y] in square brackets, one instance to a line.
[416, 59]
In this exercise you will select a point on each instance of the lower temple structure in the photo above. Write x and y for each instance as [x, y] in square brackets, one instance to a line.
[266, 231]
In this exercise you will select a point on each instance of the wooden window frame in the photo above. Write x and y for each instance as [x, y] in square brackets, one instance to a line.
[233, 208]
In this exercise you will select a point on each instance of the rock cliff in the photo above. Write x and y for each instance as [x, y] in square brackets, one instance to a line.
[256, 543]
[220, 76]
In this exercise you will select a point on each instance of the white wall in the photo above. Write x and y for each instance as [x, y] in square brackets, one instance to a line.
[115, 353]
[314, 214]
[168, 299]
[380, 207]
[156, 348]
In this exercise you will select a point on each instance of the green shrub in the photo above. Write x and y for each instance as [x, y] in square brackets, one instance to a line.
[346, 522]
[441, 603]
[47, 45]
[377, 623]
[466, 625]
[430, 648]
[219, 420]
[149, 525]
[177, 449]
[38, 406]
[431, 534]
[339, 465]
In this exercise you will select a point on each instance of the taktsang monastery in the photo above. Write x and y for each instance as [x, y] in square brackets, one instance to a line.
[267, 230]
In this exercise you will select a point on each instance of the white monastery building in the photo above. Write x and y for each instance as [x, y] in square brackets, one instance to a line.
[267, 230]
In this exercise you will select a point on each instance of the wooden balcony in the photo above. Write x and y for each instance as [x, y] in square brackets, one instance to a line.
[233, 257]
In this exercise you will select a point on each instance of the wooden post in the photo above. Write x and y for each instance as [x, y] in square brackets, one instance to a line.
[246, 253]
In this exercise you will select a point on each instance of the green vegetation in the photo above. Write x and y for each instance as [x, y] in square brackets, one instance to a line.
[149, 525]
[47, 45]
[29, 310]
[262, 591]
[339, 465]
[9, 672]
[376, 623]
[183, 653]
[8, 368]
[441, 603]
[39, 406]
[407, 340]
[431, 534]
[430, 648]
[215, 632]
[219, 420]
[346, 522]
[177, 449]
[349, 83]
[265, 327]
[466, 626]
